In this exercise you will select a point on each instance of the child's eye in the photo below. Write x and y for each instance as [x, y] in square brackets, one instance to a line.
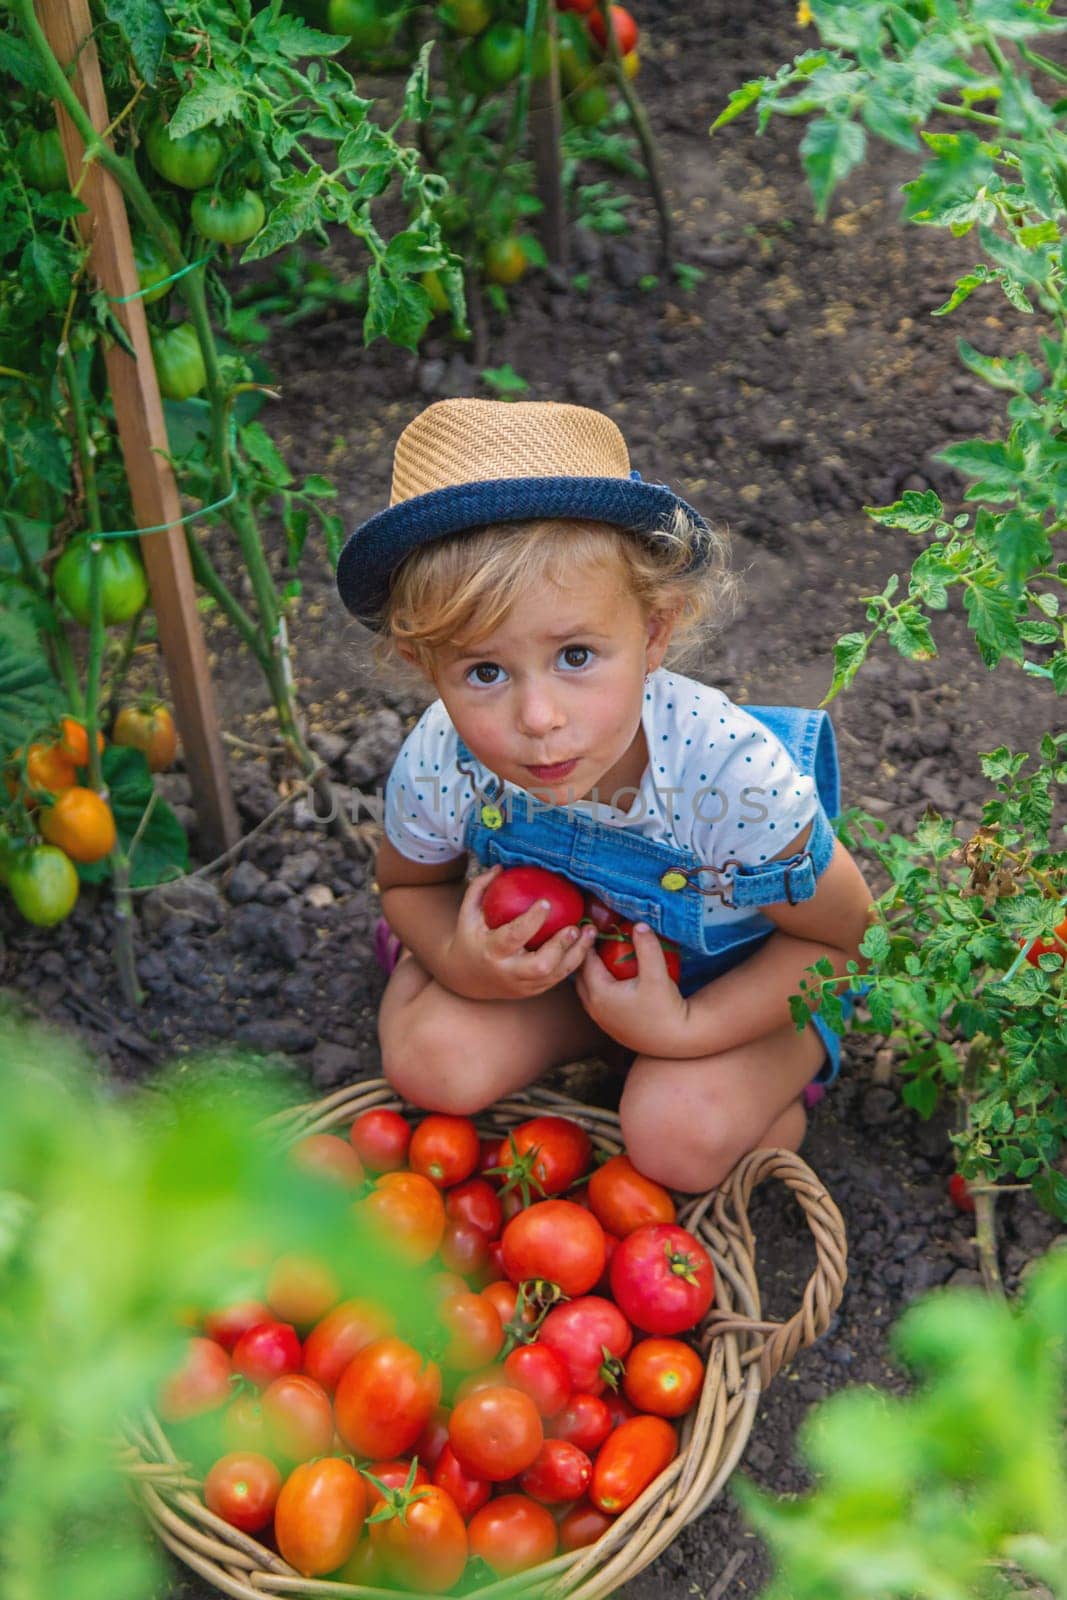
[577, 655]
[484, 672]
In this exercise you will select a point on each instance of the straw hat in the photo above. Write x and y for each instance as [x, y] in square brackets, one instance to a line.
[465, 464]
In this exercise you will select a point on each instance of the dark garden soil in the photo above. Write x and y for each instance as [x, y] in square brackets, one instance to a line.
[803, 378]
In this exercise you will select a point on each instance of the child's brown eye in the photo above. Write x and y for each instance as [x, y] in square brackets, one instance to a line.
[580, 650]
[484, 672]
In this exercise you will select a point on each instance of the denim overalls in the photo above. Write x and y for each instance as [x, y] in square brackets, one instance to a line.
[664, 884]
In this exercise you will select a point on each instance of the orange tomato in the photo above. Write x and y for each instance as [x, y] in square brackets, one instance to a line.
[410, 1213]
[80, 823]
[48, 767]
[150, 729]
[319, 1515]
[301, 1289]
[623, 1199]
[74, 741]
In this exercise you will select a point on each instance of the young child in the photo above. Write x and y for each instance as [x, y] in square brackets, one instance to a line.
[539, 585]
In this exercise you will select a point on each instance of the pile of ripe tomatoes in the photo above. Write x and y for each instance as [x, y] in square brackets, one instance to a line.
[513, 1415]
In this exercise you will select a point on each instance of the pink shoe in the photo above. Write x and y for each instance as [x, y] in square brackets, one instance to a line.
[812, 1094]
[387, 947]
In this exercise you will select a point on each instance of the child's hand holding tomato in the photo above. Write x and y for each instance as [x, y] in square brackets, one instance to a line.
[645, 1013]
[486, 963]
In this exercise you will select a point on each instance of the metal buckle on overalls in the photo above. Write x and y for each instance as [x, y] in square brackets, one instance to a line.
[491, 815]
[720, 890]
[794, 867]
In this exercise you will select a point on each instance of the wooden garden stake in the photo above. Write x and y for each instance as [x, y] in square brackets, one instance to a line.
[546, 126]
[143, 435]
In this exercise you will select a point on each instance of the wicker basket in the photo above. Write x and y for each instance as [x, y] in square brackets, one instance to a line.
[743, 1353]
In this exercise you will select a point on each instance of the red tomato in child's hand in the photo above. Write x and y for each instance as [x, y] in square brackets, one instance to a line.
[385, 1397]
[424, 1548]
[444, 1149]
[242, 1488]
[663, 1377]
[616, 950]
[662, 1279]
[380, 1139]
[590, 1335]
[515, 891]
[629, 1459]
[267, 1351]
[495, 1433]
[558, 1241]
[603, 918]
[513, 1533]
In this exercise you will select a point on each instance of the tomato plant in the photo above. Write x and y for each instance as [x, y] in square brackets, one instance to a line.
[623, 27]
[189, 160]
[79, 822]
[41, 160]
[179, 362]
[366, 24]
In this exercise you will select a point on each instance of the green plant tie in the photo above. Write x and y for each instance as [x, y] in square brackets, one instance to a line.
[178, 522]
[121, 299]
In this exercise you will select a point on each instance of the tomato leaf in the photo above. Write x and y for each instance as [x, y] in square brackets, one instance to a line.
[162, 851]
[215, 96]
[143, 24]
[830, 149]
[29, 696]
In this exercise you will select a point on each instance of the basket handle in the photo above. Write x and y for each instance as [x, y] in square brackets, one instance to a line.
[825, 1287]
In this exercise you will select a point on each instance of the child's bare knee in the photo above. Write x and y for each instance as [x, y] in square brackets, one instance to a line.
[669, 1143]
[436, 1075]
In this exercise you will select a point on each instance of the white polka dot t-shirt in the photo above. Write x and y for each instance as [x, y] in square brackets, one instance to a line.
[718, 783]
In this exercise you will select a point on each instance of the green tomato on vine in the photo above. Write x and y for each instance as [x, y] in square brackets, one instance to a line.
[179, 362]
[190, 162]
[124, 584]
[153, 268]
[41, 160]
[367, 27]
[228, 219]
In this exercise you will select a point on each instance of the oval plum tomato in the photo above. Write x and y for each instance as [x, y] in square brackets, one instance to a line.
[380, 1139]
[662, 1279]
[444, 1149]
[190, 162]
[585, 1421]
[499, 51]
[384, 1398]
[201, 1383]
[476, 1202]
[590, 1335]
[74, 741]
[582, 1525]
[242, 1488]
[517, 888]
[329, 1157]
[124, 586]
[464, 1249]
[301, 1290]
[540, 1372]
[342, 1334]
[496, 1433]
[422, 1543]
[410, 1212]
[550, 1153]
[959, 1192]
[469, 1493]
[433, 1438]
[228, 219]
[299, 1417]
[226, 1326]
[628, 1461]
[623, 1199]
[269, 1350]
[560, 1473]
[623, 27]
[319, 1515]
[512, 1534]
[179, 362]
[43, 884]
[663, 1377]
[474, 1329]
[558, 1241]
[394, 1475]
[151, 730]
[79, 822]
[244, 1427]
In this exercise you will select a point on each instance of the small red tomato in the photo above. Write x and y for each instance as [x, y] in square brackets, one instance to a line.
[464, 1248]
[504, 1295]
[662, 1279]
[409, 1211]
[585, 1421]
[582, 1525]
[617, 951]
[540, 1372]
[320, 1515]
[561, 1472]
[474, 1329]
[591, 1336]
[959, 1192]
[301, 1290]
[619, 1408]
[515, 891]
[557, 1241]
[622, 1199]
[242, 1488]
[201, 1383]
[663, 1377]
[629, 1460]
[623, 27]
[422, 1544]
[227, 1326]
[380, 1139]
[469, 1493]
[476, 1202]
[1056, 946]
[346, 1330]
[266, 1352]
[328, 1156]
[512, 1534]
[384, 1398]
[444, 1149]
[495, 1433]
[299, 1417]
[433, 1438]
[549, 1153]
[394, 1475]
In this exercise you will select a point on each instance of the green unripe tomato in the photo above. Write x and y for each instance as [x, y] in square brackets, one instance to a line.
[468, 17]
[179, 362]
[123, 582]
[152, 268]
[500, 50]
[43, 884]
[41, 161]
[505, 260]
[228, 220]
[590, 106]
[191, 162]
[361, 20]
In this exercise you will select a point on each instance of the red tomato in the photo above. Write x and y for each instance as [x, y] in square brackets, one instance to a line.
[547, 1154]
[422, 1547]
[410, 1213]
[495, 1433]
[348, 1328]
[394, 1475]
[475, 1331]
[505, 1297]
[444, 1149]
[330, 1157]
[622, 1199]
[380, 1139]
[442, 1285]
[299, 1417]
[469, 1493]
[959, 1192]
[512, 1534]
[242, 1488]
[623, 27]
[385, 1397]
[585, 1421]
[201, 1383]
[301, 1290]
[319, 1515]
[244, 1427]
[516, 890]
[476, 1203]
[580, 6]
[600, 914]
[616, 950]
[540, 1372]
[492, 1377]
[590, 1335]
[433, 1438]
[1056, 946]
[629, 1460]
[266, 1352]
[227, 1326]
[560, 1473]
[464, 1248]
[557, 1241]
[619, 1408]
[664, 1377]
[582, 1525]
[662, 1279]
